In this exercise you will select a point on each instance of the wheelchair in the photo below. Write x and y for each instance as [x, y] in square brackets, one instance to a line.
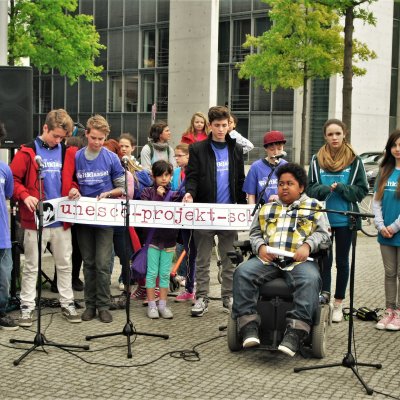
[275, 300]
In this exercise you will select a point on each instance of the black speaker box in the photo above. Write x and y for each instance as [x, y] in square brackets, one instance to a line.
[16, 87]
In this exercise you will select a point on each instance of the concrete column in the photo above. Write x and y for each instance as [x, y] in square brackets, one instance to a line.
[3, 31]
[193, 61]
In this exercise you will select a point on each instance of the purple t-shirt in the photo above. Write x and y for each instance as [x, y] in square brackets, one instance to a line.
[96, 176]
[222, 164]
[6, 191]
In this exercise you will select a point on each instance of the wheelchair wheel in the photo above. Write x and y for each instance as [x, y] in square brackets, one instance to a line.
[320, 333]
[234, 342]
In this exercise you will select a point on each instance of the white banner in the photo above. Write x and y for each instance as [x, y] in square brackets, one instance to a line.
[111, 212]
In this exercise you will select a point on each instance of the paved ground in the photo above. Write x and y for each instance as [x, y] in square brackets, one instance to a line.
[104, 372]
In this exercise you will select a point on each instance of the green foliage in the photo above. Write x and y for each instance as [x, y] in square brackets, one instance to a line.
[360, 12]
[48, 32]
[304, 42]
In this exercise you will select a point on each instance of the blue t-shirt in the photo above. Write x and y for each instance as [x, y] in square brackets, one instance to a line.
[6, 191]
[335, 201]
[96, 176]
[391, 208]
[51, 172]
[257, 178]
[222, 164]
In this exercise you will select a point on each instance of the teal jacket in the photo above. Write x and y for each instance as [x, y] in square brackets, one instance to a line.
[352, 193]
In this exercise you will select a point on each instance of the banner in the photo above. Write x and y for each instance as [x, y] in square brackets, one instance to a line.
[111, 212]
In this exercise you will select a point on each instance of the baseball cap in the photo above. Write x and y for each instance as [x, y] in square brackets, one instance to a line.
[274, 137]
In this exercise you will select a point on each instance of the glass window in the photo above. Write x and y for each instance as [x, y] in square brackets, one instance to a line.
[224, 42]
[72, 98]
[131, 48]
[241, 5]
[259, 5]
[83, 117]
[282, 100]
[223, 87]
[149, 49]
[163, 10]
[58, 91]
[224, 7]
[114, 121]
[36, 126]
[131, 12]
[116, 13]
[115, 49]
[261, 25]
[162, 92]
[115, 97]
[45, 94]
[240, 29]
[85, 96]
[102, 59]
[100, 95]
[163, 47]
[261, 99]
[131, 93]
[148, 11]
[394, 84]
[130, 124]
[35, 94]
[86, 7]
[101, 13]
[144, 127]
[147, 99]
[240, 93]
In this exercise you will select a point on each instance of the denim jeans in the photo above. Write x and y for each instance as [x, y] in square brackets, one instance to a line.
[96, 244]
[304, 278]
[342, 237]
[190, 247]
[5, 278]
[123, 250]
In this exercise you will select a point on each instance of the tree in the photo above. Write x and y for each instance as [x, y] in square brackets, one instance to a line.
[354, 50]
[48, 32]
[303, 43]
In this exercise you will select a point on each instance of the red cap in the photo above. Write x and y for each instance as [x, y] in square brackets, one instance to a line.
[274, 137]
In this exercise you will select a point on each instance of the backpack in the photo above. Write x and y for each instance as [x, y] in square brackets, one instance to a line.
[143, 180]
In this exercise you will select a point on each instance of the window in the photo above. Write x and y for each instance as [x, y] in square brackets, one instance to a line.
[162, 92]
[116, 13]
[102, 59]
[148, 11]
[131, 12]
[223, 87]
[241, 28]
[115, 96]
[100, 95]
[131, 48]
[58, 91]
[163, 47]
[163, 10]
[86, 7]
[261, 99]
[35, 94]
[149, 49]
[85, 96]
[72, 98]
[224, 7]
[240, 93]
[282, 100]
[100, 13]
[147, 99]
[115, 49]
[224, 42]
[261, 25]
[131, 93]
[115, 124]
[45, 94]
[242, 5]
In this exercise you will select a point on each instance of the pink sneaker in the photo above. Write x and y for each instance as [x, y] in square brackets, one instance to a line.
[394, 324]
[139, 293]
[185, 296]
[385, 320]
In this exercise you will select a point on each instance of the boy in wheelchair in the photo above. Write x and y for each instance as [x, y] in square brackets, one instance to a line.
[291, 223]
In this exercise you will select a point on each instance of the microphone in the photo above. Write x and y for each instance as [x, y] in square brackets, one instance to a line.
[39, 161]
[278, 156]
[125, 160]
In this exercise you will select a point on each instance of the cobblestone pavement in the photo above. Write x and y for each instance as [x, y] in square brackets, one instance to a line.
[104, 372]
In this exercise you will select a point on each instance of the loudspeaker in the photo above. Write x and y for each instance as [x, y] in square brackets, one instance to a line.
[16, 94]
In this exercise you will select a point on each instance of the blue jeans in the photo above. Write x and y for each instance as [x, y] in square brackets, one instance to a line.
[304, 278]
[188, 242]
[342, 237]
[123, 250]
[5, 278]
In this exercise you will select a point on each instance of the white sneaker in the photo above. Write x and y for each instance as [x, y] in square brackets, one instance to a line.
[152, 312]
[200, 307]
[165, 313]
[385, 320]
[337, 315]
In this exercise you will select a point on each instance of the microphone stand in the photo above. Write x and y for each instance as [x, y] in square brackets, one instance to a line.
[40, 340]
[349, 361]
[128, 330]
[260, 200]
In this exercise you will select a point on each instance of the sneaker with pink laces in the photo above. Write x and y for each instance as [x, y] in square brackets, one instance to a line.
[385, 320]
[394, 324]
[139, 293]
[185, 296]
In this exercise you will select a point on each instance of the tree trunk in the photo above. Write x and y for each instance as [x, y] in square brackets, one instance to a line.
[303, 118]
[348, 70]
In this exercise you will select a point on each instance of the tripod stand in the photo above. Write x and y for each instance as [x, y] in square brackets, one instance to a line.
[128, 329]
[349, 361]
[40, 340]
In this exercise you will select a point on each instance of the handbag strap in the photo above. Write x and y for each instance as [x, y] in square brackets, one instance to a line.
[151, 232]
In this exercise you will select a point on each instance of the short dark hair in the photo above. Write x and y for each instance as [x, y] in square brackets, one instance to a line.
[156, 130]
[3, 132]
[217, 113]
[296, 170]
[160, 167]
[128, 137]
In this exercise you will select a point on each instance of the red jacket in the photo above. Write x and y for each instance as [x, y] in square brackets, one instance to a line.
[24, 169]
[189, 138]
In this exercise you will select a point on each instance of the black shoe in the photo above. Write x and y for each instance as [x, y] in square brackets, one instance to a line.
[88, 314]
[105, 316]
[7, 323]
[54, 288]
[77, 285]
[292, 341]
[249, 334]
